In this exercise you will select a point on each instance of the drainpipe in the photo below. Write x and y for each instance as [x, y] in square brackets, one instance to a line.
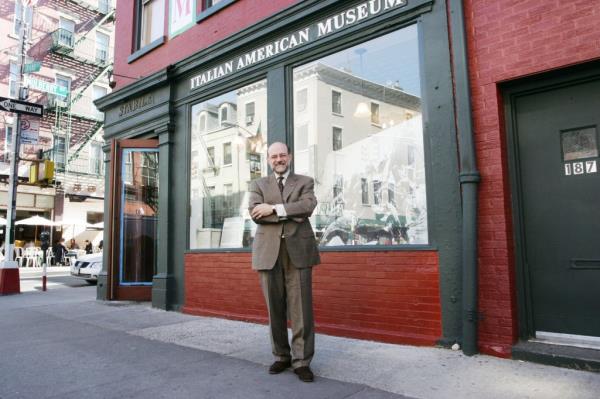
[469, 177]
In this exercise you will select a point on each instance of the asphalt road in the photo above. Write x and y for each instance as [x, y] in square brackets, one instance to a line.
[31, 279]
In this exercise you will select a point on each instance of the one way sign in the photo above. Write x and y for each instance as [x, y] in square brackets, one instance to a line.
[21, 107]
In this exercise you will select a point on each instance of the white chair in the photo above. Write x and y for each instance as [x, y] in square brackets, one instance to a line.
[31, 257]
[50, 257]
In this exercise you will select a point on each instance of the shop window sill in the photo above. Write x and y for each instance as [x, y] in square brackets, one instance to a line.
[213, 10]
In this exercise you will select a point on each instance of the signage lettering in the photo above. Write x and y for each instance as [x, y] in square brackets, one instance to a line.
[332, 24]
[181, 16]
[135, 104]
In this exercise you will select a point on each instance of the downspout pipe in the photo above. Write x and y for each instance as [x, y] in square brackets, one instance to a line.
[469, 176]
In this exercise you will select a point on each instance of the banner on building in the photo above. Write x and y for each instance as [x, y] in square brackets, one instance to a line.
[182, 16]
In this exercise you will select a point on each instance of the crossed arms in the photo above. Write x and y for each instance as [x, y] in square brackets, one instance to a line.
[297, 210]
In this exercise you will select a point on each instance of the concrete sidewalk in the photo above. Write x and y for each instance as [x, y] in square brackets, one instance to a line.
[64, 343]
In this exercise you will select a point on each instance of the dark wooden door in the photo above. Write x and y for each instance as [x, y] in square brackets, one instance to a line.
[557, 146]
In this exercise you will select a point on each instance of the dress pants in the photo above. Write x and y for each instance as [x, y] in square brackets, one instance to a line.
[288, 294]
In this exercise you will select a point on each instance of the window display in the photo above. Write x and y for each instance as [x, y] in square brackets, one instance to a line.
[228, 150]
[365, 151]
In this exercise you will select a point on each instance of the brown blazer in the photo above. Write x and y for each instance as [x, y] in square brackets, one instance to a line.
[299, 202]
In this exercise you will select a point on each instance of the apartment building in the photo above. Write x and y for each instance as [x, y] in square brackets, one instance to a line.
[69, 47]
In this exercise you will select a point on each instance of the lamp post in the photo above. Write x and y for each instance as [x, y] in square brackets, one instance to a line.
[9, 269]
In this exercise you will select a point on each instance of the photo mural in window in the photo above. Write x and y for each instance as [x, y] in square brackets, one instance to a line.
[361, 138]
[227, 152]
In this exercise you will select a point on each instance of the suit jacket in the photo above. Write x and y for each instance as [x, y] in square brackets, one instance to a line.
[299, 202]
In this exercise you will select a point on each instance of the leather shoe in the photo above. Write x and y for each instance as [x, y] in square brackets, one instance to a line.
[279, 366]
[304, 374]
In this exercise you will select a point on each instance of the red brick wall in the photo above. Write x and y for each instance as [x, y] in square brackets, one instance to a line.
[385, 296]
[232, 19]
[506, 40]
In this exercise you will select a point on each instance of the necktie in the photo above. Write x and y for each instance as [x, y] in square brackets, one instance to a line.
[280, 184]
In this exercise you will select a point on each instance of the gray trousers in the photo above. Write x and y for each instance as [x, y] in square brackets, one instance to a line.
[288, 294]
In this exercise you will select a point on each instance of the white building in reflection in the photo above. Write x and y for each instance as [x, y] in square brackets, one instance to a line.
[362, 141]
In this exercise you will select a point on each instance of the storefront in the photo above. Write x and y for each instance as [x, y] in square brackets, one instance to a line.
[362, 94]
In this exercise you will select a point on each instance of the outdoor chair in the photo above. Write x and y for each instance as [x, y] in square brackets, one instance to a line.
[50, 257]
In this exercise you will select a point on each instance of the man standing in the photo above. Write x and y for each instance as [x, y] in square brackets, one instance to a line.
[284, 251]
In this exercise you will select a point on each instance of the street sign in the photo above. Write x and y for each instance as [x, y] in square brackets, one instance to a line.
[47, 87]
[20, 107]
[35, 66]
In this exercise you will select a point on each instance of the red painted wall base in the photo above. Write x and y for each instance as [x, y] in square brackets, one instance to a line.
[385, 296]
[9, 281]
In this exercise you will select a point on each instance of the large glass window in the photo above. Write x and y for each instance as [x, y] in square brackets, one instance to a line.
[370, 184]
[219, 189]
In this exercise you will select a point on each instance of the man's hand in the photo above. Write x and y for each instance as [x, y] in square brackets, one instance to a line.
[262, 210]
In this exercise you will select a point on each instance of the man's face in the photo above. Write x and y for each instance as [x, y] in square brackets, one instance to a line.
[279, 159]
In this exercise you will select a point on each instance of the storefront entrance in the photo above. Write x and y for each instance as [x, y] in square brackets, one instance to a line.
[556, 180]
[135, 201]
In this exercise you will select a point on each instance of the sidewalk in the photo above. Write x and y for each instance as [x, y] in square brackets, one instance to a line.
[64, 343]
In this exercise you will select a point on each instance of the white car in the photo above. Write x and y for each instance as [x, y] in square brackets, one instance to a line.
[87, 267]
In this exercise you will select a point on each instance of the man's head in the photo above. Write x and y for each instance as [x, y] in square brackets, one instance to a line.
[279, 157]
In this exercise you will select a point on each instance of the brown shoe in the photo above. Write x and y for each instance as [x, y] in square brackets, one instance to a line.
[304, 374]
[279, 366]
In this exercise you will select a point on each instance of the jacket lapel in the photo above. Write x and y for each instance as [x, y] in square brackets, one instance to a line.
[272, 186]
[290, 183]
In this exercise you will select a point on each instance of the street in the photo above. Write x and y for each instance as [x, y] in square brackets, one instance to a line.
[65, 344]
[57, 277]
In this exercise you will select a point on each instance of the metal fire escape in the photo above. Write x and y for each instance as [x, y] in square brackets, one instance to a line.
[65, 45]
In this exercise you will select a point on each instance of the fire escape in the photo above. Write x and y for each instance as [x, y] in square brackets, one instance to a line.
[79, 51]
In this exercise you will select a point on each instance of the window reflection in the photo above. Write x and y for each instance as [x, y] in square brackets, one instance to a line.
[360, 136]
[228, 150]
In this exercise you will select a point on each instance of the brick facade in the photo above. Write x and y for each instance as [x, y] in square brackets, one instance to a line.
[508, 40]
[385, 296]
[240, 15]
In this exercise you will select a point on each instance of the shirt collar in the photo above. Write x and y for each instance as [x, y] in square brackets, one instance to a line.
[285, 175]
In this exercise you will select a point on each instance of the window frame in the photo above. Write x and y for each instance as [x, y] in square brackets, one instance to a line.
[96, 165]
[207, 8]
[98, 47]
[138, 50]
[229, 145]
[348, 40]
[335, 104]
[334, 130]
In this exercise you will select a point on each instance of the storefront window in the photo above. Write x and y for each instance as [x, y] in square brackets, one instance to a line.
[228, 150]
[365, 151]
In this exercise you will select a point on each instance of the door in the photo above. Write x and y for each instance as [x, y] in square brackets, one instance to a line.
[135, 216]
[557, 140]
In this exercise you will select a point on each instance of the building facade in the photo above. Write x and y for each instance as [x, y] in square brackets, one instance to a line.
[69, 49]
[401, 111]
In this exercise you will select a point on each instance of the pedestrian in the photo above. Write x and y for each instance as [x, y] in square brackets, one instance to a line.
[60, 251]
[101, 244]
[283, 252]
[73, 244]
[88, 247]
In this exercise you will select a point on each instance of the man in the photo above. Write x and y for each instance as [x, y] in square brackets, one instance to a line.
[284, 251]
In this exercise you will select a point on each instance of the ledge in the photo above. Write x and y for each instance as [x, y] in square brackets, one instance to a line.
[213, 10]
[558, 355]
[146, 49]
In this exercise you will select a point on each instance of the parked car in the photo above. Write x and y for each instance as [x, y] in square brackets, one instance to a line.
[87, 267]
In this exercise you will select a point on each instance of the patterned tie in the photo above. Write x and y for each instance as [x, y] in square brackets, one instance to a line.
[280, 184]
